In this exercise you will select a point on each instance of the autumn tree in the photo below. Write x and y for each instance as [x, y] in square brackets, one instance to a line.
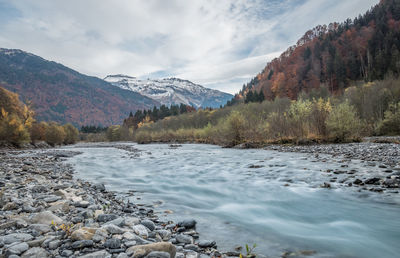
[71, 134]
[55, 134]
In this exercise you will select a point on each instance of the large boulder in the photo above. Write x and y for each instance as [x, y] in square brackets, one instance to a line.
[143, 250]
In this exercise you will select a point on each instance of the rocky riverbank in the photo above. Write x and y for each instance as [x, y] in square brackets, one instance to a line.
[45, 212]
[380, 160]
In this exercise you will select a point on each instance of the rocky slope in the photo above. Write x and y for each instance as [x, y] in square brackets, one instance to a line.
[60, 94]
[171, 91]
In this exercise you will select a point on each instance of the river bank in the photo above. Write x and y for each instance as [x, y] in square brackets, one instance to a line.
[46, 212]
[382, 161]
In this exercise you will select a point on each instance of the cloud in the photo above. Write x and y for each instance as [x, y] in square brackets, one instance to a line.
[220, 44]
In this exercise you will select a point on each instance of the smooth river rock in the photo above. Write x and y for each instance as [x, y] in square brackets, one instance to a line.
[143, 250]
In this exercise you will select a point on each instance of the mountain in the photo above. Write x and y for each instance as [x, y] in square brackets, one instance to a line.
[60, 94]
[171, 91]
[366, 48]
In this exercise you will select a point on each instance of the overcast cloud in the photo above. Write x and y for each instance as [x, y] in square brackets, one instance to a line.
[217, 43]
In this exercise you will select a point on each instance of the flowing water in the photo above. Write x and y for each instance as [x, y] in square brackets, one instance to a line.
[270, 198]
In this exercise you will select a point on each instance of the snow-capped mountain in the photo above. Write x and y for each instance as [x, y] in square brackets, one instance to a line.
[171, 91]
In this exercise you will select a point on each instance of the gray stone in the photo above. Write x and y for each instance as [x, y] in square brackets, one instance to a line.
[188, 224]
[106, 217]
[206, 243]
[156, 254]
[41, 228]
[184, 239]
[148, 224]
[81, 204]
[122, 255]
[54, 244]
[98, 254]
[192, 247]
[100, 235]
[17, 248]
[113, 229]
[130, 243]
[141, 230]
[112, 243]
[81, 244]
[35, 252]
[100, 187]
[67, 253]
[192, 255]
[39, 188]
[36, 242]
[132, 221]
[120, 222]
[16, 237]
[164, 234]
[52, 198]
[46, 217]
[372, 181]
[143, 250]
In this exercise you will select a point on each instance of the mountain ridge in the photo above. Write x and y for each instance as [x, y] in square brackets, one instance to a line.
[171, 91]
[61, 94]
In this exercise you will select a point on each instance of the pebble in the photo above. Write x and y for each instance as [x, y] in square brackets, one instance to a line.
[81, 244]
[188, 224]
[141, 230]
[206, 243]
[180, 238]
[106, 217]
[148, 224]
[113, 229]
[112, 243]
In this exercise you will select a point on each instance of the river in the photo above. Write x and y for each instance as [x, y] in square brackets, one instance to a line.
[238, 197]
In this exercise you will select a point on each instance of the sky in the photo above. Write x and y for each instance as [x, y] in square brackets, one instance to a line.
[220, 44]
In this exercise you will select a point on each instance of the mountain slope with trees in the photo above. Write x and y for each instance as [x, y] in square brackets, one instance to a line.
[58, 93]
[364, 49]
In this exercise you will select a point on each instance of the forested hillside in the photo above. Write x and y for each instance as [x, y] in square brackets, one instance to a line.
[363, 49]
[60, 94]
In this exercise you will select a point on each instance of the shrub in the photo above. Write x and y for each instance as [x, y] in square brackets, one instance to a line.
[277, 125]
[71, 134]
[298, 118]
[38, 131]
[391, 123]
[231, 129]
[55, 134]
[114, 133]
[343, 123]
[319, 114]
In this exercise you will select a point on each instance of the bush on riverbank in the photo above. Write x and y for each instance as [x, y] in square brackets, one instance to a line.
[391, 124]
[362, 110]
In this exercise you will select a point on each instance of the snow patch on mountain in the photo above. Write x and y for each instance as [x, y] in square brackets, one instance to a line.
[171, 91]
